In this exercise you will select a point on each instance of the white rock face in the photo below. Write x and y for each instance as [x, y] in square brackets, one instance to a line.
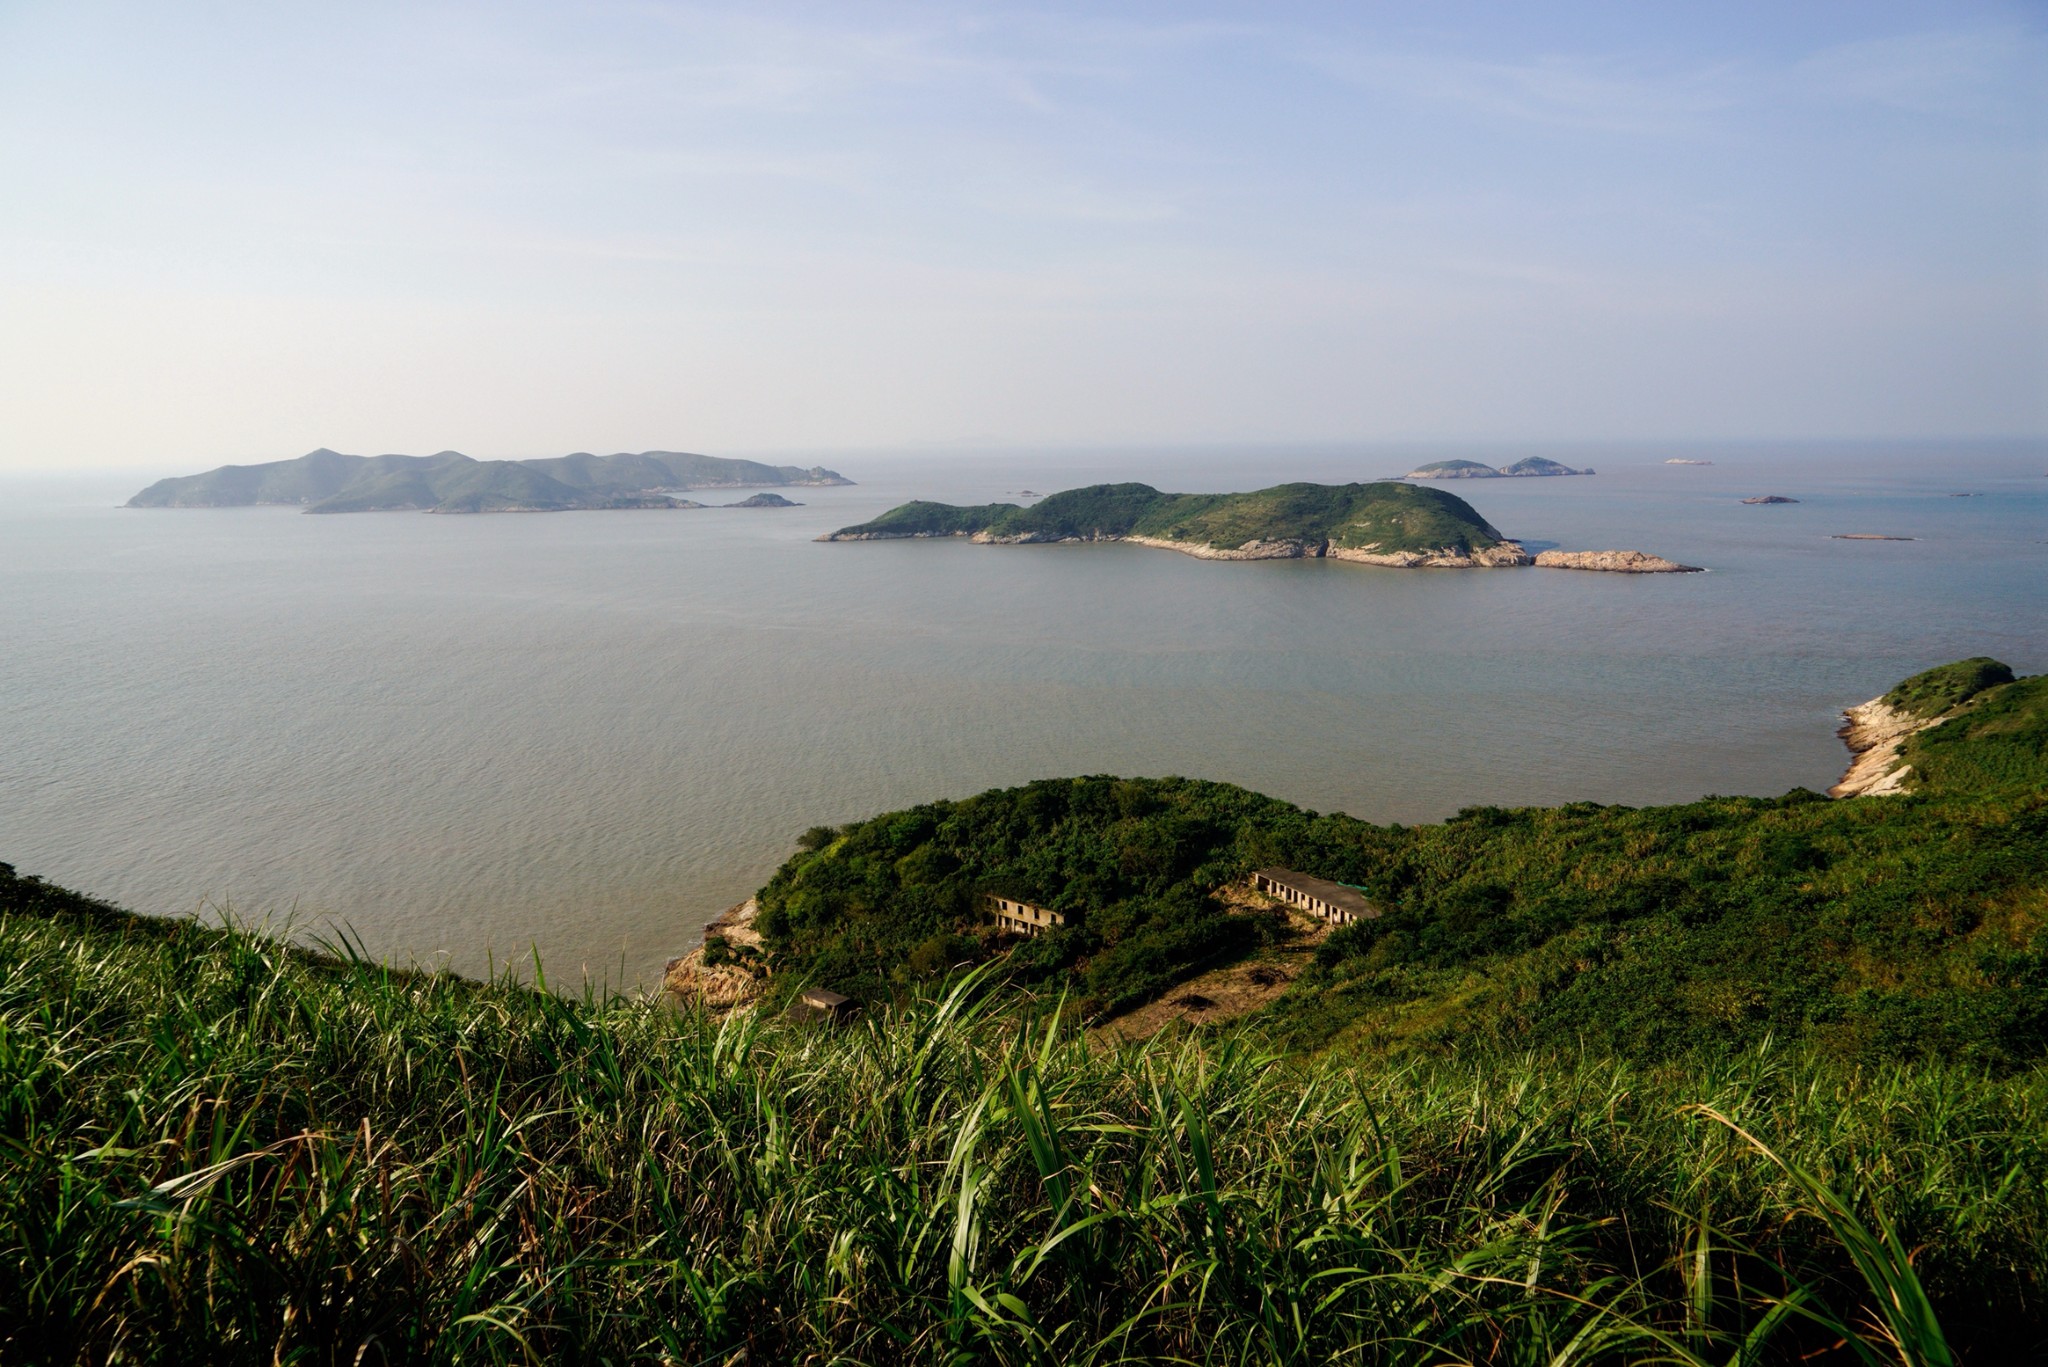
[1874, 733]
[1500, 556]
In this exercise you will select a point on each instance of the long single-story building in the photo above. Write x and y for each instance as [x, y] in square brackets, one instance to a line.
[1021, 918]
[1336, 903]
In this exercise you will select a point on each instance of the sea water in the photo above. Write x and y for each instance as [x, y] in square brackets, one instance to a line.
[474, 739]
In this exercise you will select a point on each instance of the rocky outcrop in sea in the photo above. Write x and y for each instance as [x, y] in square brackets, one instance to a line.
[1614, 562]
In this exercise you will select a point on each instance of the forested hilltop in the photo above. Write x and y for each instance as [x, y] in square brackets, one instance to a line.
[1734, 1082]
[1387, 522]
[1873, 927]
[325, 481]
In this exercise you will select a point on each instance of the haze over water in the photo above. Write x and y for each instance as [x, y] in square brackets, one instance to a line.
[587, 733]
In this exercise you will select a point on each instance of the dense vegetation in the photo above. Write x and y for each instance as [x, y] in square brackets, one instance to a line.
[329, 482]
[1933, 692]
[1879, 927]
[220, 1150]
[1383, 518]
[921, 518]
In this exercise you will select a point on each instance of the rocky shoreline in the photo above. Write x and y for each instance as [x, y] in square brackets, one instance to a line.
[1613, 562]
[1440, 557]
[1875, 732]
[735, 981]
[1502, 555]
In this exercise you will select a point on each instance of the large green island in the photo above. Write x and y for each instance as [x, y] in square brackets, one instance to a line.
[1383, 523]
[325, 481]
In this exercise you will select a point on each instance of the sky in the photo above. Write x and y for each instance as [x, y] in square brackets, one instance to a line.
[236, 232]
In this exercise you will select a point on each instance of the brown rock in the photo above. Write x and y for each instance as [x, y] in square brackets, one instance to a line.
[719, 987]
[1614, 562]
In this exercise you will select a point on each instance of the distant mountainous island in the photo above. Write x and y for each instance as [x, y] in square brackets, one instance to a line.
[1382, 523]
[1533, 467]
[325, 481]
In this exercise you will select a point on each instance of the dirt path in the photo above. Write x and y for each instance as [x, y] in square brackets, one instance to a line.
[1234, 990]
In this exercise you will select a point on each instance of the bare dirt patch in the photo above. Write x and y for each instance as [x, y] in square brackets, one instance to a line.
[1234, 990]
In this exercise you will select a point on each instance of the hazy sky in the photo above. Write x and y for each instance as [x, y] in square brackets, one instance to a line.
[235, 232]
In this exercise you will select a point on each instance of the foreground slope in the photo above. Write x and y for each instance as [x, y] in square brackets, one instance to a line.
[327, 481]
[219, 1149]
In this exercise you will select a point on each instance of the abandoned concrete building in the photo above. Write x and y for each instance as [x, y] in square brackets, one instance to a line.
[1021, 918]
[822, 1006]
[1334, 902]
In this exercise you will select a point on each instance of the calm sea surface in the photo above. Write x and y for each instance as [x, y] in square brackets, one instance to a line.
[587, 733]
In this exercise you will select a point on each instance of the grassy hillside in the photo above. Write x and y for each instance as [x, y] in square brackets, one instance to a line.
[220, 1150]
[328, 482]
[1994, 739]
[920, 518]
[1383, 517]
[1869, 928]
[1934, 691]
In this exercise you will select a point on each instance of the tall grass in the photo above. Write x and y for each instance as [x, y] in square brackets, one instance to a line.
[216, 1149]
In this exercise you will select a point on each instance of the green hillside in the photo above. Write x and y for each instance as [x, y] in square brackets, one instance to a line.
[922, 519]
[1383, 518]
[326, 481]
[1736, 1081]
[1935, 691]
[1876, 927]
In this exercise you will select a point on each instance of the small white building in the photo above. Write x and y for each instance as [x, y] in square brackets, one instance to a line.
[1021, 918]
[1336, 903]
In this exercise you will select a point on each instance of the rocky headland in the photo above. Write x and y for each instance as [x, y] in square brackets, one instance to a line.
[1876, 732]
[728, 970]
